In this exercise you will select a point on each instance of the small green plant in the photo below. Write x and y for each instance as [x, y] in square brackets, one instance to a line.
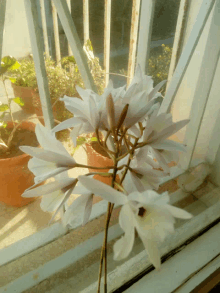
[8, 63]
[62, 79]
[158, 66]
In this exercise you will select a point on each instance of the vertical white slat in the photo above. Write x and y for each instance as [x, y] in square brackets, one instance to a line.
[56, 34]
[214, 142]
[37, 49]
[145, 31]
[107, 29]
[86, 20]
[70, 53]
[44, 26]
[133, 39]
[178, 38]
[2, 23]
[186, 55]
[74, 41]
[203, 86]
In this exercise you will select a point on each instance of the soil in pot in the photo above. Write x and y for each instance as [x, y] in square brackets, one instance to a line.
[15, 177]
[21, 137]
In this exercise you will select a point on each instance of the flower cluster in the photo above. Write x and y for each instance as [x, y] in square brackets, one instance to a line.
[133, 134]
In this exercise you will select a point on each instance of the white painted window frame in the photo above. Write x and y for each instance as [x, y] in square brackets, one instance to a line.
[137, 264]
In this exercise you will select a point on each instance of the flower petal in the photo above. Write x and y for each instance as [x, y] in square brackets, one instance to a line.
[48, 188]
[49, 156]
[61, 203]
[156, 89]
[75, 211]
[167, 132]
[178, 213]
[50, 202]
[105, 191]
[169, 145]
[72, 122]
[153, 252]
[88, 209]
[124, 245]
[48, 141]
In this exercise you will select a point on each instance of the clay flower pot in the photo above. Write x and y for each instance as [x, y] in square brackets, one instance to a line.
[26, 93]
[97, 157]
[15, 176]
[38, 109]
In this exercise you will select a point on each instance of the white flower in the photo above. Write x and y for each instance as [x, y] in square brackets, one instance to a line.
[157, 130]
[52, 159]
[141, 175]
[147, 212]
[80, 209]
[54, 194]
[90, 112]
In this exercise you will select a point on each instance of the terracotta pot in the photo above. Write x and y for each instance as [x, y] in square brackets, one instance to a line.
[26, 93]
[96, 158]
[15, 176]
[38, 109]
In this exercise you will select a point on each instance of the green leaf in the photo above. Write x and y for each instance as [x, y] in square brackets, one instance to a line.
[12, 79]
[3, 115]
[68, 59]
[3, 124]
[80, 141]
[94, 139]
[9, 62]
[3, 107]
[19, 101]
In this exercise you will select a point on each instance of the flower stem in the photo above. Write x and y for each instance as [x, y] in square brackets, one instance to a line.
[8, 101]
[93, 167]
[104, 246]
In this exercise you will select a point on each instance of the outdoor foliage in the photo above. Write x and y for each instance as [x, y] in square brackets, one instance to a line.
[8, 63]
[62, 78]
[158, 66]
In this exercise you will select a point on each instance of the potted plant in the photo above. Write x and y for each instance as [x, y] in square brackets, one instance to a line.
[23, 81]
[15, 176]
[62, 79]
[136, 138]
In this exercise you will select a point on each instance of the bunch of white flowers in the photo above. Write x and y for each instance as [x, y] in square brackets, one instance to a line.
[136, 139]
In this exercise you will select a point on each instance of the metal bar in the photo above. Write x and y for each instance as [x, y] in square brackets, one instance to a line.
[56, 33]
[37, 48]
[86, 20]
[2, 23]
[186, 55]
[73, 38]
[133, 39]
[107, 29]
[44, 26]
[203, 87]
[70, 53]
[145, 31]
[177, 45]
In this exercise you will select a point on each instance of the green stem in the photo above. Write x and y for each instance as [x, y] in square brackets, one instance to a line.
[104, 246]
[8, 101]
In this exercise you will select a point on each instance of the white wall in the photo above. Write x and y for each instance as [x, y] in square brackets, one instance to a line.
[16, 41]
[183, 101]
